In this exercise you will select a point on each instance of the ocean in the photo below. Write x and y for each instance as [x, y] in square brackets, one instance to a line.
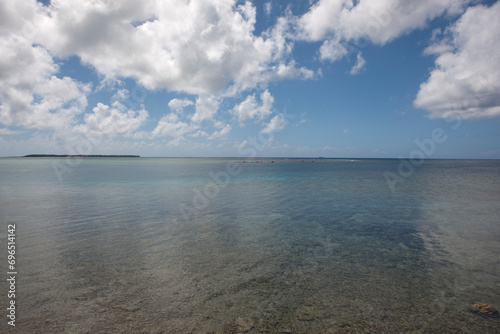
[216, 245]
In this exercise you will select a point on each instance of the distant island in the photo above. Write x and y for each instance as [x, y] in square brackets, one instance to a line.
[79, 156]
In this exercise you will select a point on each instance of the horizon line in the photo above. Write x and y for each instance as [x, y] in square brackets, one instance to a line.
[135, 156]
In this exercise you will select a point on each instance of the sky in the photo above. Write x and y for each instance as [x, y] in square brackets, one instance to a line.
[177, 78]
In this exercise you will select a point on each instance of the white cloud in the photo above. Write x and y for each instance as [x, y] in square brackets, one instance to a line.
[15, 16]
[112, 121]
[359, 66]
[219, 124]
[198, 46]
[199, 133]
[31, 95]
[7, 132]
[176, 142]
[277, 123]
[221, 134]
[247, 109]
[332, 50]
[121, 95]
[291, 71]
[323, 18]
[178, 105]
[268, 6]
[250, 108]
[171, 126]
[378, 20]
[339, 23]
[267, 103]
[466, 80]
[206, 108]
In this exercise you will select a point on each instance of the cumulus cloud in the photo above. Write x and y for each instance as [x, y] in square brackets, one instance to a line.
[277, 123]
[31, 95]
[218, 134]
[221, 134]
[203, 47]
[121, 95]
[250, 108]
[171, 126]
[378, 20]
[199, 133]
[291, 71]
[332, 50]
[178, 105]
[466, 80]
[198, 46]
[206, 108]
[342, 25]
[359, 66]
[112, 121]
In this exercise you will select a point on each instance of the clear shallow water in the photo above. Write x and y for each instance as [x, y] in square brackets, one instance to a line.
[157, 246]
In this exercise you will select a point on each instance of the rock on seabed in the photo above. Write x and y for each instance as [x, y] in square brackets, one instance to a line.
[484, 310]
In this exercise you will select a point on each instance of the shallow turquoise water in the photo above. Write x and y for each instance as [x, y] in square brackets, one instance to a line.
[279, 246]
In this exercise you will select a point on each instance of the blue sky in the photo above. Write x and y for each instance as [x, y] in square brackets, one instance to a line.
[332, 78]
